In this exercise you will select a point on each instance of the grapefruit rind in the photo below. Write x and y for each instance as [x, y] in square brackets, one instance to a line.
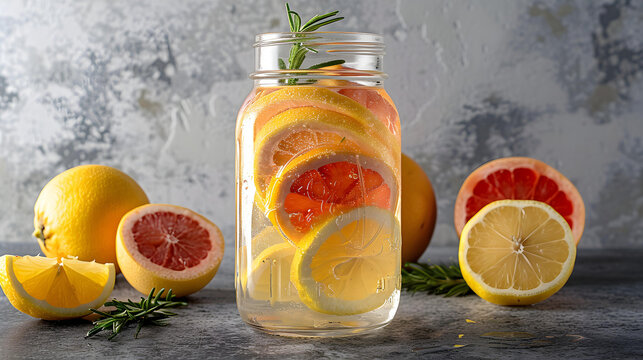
[511, 163]
[514, 296]
[144, 275]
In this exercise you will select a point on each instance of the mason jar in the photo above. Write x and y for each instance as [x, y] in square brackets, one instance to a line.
[318, 187]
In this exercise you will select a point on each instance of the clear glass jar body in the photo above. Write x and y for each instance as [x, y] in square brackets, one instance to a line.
[318, 189]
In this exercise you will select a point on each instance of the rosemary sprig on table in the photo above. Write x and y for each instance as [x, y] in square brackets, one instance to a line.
[443, 280]
[147, 311]
[299, 50]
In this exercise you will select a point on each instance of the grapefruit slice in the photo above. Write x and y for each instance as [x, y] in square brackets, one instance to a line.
[295, 131]
[519, 178]
[167, 246]
[326, 182]
[379, 103]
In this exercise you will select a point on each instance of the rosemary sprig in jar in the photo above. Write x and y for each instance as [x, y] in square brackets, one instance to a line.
[299, 49]
[150, 311]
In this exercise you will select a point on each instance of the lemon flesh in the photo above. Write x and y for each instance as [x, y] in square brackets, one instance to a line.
[348, 264]
[49, 289]
[516, 252]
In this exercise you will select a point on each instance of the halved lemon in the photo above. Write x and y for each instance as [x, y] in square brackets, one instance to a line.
[270, 275]
[516, 252]
[325, 182]
[295, 131]
[52, 289]
[349, 264]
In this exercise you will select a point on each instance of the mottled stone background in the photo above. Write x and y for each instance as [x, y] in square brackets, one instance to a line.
[153, 87]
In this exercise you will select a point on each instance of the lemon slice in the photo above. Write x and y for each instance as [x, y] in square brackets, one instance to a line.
[516, 252]
[270, 275]
[349, 264]
[49, 289]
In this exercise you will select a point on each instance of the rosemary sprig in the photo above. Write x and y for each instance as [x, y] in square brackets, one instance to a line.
[443, 280]
[299, 50]
[147, 311]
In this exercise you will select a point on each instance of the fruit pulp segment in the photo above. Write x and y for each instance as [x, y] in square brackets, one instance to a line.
[519, 184]
[65, 284]
[517, 248]
[171, 240]
[331, 189]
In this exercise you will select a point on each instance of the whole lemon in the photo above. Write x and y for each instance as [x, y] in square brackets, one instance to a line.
[418, 210]
[78, 211]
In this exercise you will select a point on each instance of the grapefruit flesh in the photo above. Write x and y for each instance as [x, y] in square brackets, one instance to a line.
[167, 246]
[171, 240]
[379, 103]
[326, 182]
[331, 188]
[520, 178]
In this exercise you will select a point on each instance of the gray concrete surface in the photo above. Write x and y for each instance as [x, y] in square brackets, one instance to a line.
[597, 315]
[153, 87]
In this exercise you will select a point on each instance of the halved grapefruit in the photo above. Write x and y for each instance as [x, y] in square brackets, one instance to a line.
[326, 182]
[519, 178]
[167, 246]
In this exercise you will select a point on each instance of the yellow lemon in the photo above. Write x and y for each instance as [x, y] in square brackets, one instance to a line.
[55, 289]
[348, 264]
[516, 252]
[78, 211]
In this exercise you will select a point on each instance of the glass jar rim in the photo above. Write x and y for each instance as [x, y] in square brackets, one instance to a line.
[372, 41]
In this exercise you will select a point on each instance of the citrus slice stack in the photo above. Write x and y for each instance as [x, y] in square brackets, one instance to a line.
[348, 264]
[516, 252]
[293, 120]
[296, 131]
[324, 183]
[167, 246]
[55, 289]
[519, 178]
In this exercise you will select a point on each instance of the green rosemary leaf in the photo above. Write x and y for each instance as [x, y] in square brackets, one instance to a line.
[282, 64]
[318, 18]
[317, 26]
[445, 280]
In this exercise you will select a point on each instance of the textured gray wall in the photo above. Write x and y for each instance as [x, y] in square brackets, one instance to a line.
[153, 87]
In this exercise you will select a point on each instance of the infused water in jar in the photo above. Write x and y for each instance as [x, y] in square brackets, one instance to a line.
[318, 188]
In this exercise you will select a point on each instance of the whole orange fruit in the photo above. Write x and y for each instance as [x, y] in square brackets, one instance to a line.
[418, 210]
[78, 211]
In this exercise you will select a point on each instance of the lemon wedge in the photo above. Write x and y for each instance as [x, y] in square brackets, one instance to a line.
[516, 252]
[348, 264]
[52, 289]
